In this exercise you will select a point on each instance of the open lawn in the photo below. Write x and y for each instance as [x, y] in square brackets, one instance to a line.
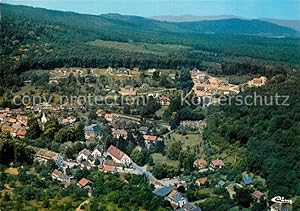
[159, 158]
[190, 140]
[137, 47]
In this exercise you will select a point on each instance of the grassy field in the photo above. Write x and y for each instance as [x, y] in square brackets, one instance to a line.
[136, 47]
[190, 139]
[159, 158]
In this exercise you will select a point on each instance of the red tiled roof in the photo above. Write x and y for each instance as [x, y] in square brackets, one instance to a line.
[108, 116]
[83, 182]
[109, 163]
[115, 152]
[12, 120]
[21, 132]
[150, 138]
[56, 173]
[6, 128]
[202, 181]
[108, 168]
[218, 162]
[257, 194]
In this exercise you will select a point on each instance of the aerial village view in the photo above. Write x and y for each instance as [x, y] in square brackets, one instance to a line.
[119, 139]
[131, 117]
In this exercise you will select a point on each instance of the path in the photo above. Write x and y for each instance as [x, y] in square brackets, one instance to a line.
[83, 203]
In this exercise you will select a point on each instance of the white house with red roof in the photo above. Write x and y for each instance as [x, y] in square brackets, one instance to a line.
[150, 140]
[217, 164]
[118, 156]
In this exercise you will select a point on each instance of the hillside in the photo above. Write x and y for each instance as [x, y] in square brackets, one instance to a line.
[110, 21]
[34, 38]
[292, 24]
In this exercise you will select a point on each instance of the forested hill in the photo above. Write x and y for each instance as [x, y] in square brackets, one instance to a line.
[268, 134]
[33, 38]
[112, 21]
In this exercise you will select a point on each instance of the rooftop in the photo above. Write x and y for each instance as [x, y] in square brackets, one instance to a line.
[115, 152]
[247, 180]
[83, 182]
[163, 191]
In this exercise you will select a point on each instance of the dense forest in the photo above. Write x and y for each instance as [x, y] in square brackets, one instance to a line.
[37, 38]
[269, 134]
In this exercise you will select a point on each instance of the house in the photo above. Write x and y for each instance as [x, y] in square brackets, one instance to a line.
[86, 164]
[100, 112]
[217, 164]
[224, 83]
[119, 133]
[127, 90]
[13, 131]
[108, 117]
[123, 70]
[68, 120]
[200, 163]
[83, 155]
[202, 181]
[165, 101]
[247, 180]
[12, 120]
[60, 176]
[56, 175]
[91, 130]
[221, 183]
[150, 140]
[97, 152]
[2, 117]
[22, 119]
[21, 133]
[84, 183]
[189, 207]
[6, 128]
[44, 155]
[163, 191]
[200, 88]
[143, 130]
[176, 199]
[257, 196]
[108, 169]
[118, 156]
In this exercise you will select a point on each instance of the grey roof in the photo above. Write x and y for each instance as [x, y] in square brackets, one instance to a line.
[189, 207]
[200, 88]
[162, 191]
[86, 152]
[177, 197]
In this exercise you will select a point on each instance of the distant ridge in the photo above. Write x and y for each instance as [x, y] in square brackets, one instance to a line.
[293, 24]
[133, 24]
[193, 18]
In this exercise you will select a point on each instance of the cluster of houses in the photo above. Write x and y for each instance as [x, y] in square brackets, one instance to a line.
[206, 85]
[107, 161]
[201, 164]
[131, 91]
[16, 126]
[257, 82]
[171, 194]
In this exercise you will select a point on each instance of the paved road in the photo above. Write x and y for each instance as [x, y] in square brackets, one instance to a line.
[143, 171]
